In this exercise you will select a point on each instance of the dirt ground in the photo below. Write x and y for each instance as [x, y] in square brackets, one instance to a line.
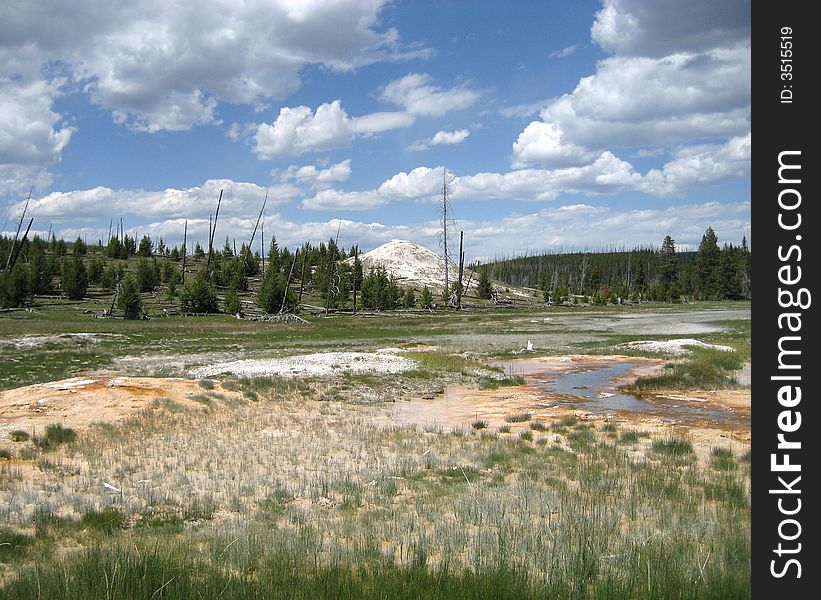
[80, 401]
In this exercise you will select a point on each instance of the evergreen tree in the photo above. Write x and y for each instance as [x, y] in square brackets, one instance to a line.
[731, 273]
[426, 299]
[147, 274]
[484, 289]
[669, 262]
[14, 286]
[129, 301]
[409, 301]
[74, 280]
[146, 248]
[198, 296]
[232, 304]
[79, 248]
[96, 268]
[272, 291]
[198, 251]
[41, 271]
[707, 267]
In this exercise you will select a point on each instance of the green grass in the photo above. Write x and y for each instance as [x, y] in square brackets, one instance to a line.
[18, 435]
[722, 459]
[519, 418]
[672, 446]
[704, 369]
[55, 435]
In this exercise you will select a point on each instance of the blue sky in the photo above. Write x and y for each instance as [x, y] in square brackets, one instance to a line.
[562, 125]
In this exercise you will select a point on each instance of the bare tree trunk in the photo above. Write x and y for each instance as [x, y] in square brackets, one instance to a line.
[184, 249]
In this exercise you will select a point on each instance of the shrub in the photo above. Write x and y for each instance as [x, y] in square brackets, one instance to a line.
[55, 435]
[130, 301]
[673, 446]
[520, 418]
[199, 296]
[74, 280]
[107, 520]
[479, 424]
[232, 305]
[18, 435]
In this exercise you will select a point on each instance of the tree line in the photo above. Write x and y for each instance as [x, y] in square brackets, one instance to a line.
[334, 275]
[658, 274]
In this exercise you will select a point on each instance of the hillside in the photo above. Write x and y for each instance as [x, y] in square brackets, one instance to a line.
[411, 264]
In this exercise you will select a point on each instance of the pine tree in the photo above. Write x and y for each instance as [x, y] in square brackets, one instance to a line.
[484, 289]
[232, 305]
[409, 301]
[147, 274]
[426, 299]
[74, 280]
[198, 295]
[707, 267]
[129, 301]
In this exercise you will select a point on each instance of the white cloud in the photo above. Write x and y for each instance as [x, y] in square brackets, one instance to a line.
[680, 75]
[165, 65]
[418, 97]
[32, 135]
[441, 138]
[543, 143]
[700, 165]
[102, 203]
[382, 121]
[315, 177]
[570, 227]
[421, 182]
[336, 200]
[564, 52]
[661, 27]
[299, 130]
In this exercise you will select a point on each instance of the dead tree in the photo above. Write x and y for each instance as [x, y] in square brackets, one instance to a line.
[211, 231]
[302, 274]
[288, 283]
[17, 233]
[184, 248]
[355, 260]
[461, 270]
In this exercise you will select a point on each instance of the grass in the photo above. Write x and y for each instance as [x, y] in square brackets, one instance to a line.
[672, 446]
[54, 435]
[704, 369]
[519, 418]
[18, 435]
[290, 497]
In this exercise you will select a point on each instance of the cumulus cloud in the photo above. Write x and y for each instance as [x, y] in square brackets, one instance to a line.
[441, 138]
[680, 74]
[333, 200]
[200, 201]
[32, 135]
[700, 165]
[662, 27]
[560, 228]
[298, 130]
[415, 93]
[316, 177]
[165, 65]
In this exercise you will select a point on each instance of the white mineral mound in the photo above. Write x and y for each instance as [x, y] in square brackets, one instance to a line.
[411, 263]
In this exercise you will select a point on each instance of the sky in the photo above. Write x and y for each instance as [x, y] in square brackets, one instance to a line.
[559, 126]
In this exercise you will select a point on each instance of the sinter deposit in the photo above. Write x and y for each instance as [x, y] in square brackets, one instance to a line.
[319, 364]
